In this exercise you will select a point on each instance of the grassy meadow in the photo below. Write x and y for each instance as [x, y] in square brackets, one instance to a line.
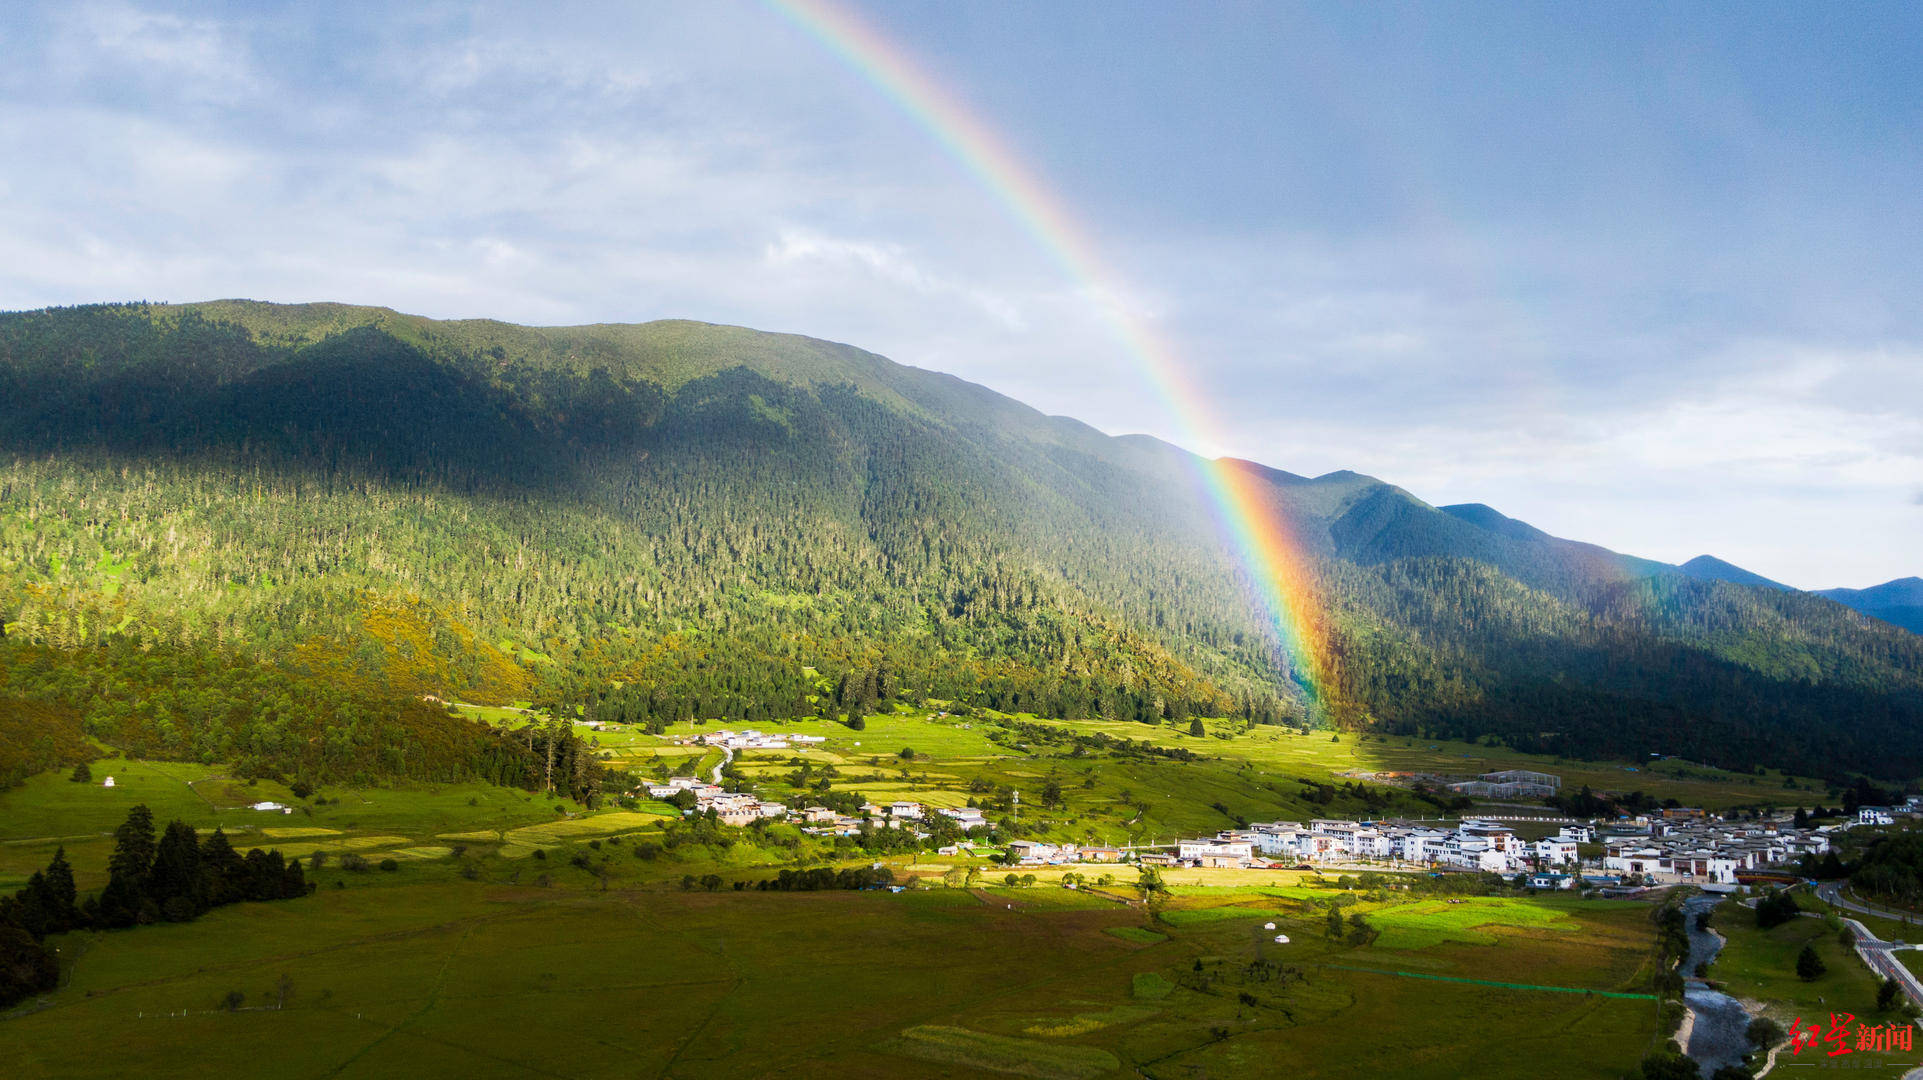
[518, 933]
[414, 974]
[1759, 966]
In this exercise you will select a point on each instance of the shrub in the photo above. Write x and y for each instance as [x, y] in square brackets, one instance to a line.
[353, 861]
[81, 773]
[390, 865]
[1809, 966]
[1765, 1033]
[1775, 908]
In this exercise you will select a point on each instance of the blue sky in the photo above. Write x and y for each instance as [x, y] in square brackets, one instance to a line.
[1647, 276]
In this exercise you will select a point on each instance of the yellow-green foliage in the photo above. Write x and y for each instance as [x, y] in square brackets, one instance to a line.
[1000, 1053]
[1224, 913]
[1149, 986]
[1084, 1023]
[1473, 921]
[333, 845]
[555, 832]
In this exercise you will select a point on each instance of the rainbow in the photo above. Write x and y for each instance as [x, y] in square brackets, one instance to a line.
[1258, 531]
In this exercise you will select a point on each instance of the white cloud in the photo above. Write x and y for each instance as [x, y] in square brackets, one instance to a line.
[626, 164]
[889, 263]
[202, 60]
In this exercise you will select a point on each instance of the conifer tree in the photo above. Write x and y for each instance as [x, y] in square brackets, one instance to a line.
[220, 865]
[126, 899]
[177, 884]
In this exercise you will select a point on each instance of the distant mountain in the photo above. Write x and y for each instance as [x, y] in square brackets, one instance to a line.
[1711, 568]
[1899, 602]
[677, 519]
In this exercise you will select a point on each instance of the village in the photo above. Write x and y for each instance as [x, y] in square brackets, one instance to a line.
[1676, 845]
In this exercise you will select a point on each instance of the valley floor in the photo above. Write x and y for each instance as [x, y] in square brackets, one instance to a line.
[515, 934]
[418, 978]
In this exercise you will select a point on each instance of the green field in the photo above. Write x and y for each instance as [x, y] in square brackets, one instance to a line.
[521, 933]
[1240, 774]
[1760, 966]
[410, 975]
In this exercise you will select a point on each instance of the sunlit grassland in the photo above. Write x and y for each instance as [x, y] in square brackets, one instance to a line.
[1316, 755]
[523, 933]
[49, 810]
[419, 974]
[1262, 774]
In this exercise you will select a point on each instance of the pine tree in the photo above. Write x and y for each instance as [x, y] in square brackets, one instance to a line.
[61, 898]
[220, 866]
[293, 882]
[1809, 966]
[177, 883]
[126, 900]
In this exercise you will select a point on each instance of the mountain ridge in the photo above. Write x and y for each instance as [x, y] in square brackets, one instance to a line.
[498, 511]
[1898, 601]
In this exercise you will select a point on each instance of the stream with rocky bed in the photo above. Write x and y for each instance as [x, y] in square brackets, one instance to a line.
[1717, 1031]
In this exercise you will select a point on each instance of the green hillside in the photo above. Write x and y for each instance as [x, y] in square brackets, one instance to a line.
[677, 520]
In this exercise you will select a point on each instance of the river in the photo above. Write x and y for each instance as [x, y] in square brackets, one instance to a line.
[1719, 1034]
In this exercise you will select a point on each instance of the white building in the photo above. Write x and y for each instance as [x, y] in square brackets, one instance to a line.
[967, 816]
[1555, 851]
[1215, 852]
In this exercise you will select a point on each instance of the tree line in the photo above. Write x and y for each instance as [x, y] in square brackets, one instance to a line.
[173, 877]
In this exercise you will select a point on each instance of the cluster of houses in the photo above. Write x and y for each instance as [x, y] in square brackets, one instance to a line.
[730, 808]
[1680, 845]
[751, 740]
[1471, 845]
[733, 808]
[1038, 853]
[1686, 846]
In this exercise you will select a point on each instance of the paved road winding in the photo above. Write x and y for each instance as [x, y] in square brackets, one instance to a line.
[1875, 951]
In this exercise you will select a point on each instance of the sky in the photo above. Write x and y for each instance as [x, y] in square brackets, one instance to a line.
[1647, 276]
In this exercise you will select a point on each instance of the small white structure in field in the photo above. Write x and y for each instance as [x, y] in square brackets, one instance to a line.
[108, 782]
[273, 807]
[1281, 939]
[1268, 926]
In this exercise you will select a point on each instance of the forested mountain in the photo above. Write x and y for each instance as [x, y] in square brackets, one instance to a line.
[1711, 568]
[675, 519]
[1899, 602]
